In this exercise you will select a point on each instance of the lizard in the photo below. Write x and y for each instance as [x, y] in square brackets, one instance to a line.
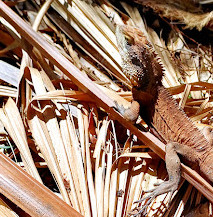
[156, 106]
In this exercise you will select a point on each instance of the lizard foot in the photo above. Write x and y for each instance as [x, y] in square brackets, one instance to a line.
[119, 108]
[131, 113]
[165, 187]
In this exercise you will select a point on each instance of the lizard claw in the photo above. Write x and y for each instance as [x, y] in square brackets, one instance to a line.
[136, 212]
[131, 113]
[119, 108]
[165, 187]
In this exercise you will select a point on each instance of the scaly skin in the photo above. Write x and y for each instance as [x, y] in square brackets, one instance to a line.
[160, 111]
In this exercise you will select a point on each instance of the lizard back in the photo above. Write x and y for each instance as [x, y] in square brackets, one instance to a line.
[174, 125]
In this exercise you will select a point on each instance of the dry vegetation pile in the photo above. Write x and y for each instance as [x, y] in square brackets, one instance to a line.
[56, 130]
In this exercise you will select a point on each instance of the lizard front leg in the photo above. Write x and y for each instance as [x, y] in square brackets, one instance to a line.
[131, 113]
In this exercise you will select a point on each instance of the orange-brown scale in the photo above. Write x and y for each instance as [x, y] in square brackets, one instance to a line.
[174, 126]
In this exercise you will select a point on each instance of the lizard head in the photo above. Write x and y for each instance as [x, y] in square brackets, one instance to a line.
[140, 63]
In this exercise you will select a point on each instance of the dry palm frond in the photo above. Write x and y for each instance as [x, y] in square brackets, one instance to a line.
[98, 167]
[11, 119]
[186, 12]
